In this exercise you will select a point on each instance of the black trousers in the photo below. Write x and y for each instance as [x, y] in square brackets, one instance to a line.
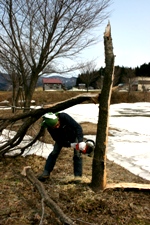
[51, 160]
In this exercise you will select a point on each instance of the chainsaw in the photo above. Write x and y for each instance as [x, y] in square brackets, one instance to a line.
[89, 147]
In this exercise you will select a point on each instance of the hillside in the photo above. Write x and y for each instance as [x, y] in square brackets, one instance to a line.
[5, 84]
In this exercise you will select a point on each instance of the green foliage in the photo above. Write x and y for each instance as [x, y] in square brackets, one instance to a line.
[91, 79]
[121, 75]
[143, 70]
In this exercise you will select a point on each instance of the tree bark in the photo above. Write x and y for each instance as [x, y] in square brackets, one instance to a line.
[48, 201]
[99, 160]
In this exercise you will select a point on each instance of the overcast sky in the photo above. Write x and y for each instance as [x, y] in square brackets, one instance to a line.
[130, 29]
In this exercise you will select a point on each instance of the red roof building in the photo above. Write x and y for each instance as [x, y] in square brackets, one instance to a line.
[52, 84]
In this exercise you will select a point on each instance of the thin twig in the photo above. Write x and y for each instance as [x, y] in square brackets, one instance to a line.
[41, 221]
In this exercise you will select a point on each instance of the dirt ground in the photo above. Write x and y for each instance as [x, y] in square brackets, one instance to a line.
[21, 202]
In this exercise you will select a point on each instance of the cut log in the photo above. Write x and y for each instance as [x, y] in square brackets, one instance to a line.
[27, 171]
[129, 186]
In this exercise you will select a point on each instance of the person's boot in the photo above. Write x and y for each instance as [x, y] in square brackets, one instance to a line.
[44, 176]
[77, 179]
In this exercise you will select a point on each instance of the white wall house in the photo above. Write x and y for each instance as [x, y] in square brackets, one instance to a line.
[143, 83]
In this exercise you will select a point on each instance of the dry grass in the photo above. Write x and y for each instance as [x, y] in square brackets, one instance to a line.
[21, 202]
[48, 97]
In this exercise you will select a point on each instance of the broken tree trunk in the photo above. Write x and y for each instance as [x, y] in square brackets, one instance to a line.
[99, 160]
[48, 201]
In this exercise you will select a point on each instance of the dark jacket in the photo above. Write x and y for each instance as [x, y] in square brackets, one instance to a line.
[68, 132]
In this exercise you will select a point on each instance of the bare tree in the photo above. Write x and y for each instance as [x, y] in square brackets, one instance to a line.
[88, 74]
[38, 34]
[14, 81]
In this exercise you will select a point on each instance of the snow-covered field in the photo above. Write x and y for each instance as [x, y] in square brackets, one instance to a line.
[129, 145]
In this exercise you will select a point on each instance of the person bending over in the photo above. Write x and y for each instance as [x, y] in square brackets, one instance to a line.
[64, 130]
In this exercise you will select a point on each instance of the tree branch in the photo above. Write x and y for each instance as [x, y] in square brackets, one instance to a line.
[48, 201]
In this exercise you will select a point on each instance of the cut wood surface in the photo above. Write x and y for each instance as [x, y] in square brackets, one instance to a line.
[130, 186]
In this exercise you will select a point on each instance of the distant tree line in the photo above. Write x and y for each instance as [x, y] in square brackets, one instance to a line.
[122, 75]
[90, 79]
[143, 70]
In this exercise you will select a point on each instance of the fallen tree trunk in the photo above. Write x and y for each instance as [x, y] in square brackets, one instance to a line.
[25, 122]
[58, 106]
[48, 201]
[29, 118]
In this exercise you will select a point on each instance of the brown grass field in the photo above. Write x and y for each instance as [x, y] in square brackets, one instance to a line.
[47, 97]
[21, 202]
